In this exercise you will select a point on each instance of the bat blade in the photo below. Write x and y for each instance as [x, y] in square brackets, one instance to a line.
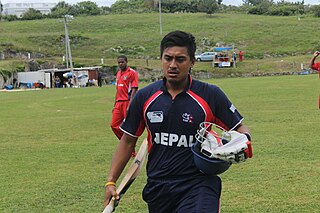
[131, 175]
[109, 208]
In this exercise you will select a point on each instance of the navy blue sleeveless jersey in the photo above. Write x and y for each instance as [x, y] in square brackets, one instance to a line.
[172, 124]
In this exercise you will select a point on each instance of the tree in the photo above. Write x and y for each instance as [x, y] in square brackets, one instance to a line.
[61, 9]
[130, 6]
[208, 6]
[120, 6]
[173, 6]
[286, 9]
[32, 14]
[87, 8]
[105, 10]
[256, 2]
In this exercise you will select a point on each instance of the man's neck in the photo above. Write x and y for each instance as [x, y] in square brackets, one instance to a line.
[123, 70]
[176, 88]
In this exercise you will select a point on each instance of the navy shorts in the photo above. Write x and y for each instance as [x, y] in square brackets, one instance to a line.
[200, 194]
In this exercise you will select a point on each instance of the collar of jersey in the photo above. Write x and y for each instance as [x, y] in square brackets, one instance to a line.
[128, 68]
[164, 88]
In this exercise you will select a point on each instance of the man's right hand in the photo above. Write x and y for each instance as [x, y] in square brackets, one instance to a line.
[109, 193]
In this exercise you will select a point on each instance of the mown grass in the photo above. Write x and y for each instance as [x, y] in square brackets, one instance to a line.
[92, 38]
[56, 147]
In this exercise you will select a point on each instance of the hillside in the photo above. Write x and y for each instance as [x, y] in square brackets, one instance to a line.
[269, 43]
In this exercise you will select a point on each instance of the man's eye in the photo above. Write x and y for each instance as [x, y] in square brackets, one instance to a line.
[180, 60]
[168, 58]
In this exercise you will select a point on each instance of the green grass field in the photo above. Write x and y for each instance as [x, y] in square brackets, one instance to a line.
[56, 147]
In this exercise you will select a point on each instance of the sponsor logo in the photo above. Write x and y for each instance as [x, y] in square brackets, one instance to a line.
[155, 117]
[232, 108]
[186, 117]
[170, 139]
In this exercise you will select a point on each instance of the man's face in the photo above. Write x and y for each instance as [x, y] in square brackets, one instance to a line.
[176, 64]
[122, 64]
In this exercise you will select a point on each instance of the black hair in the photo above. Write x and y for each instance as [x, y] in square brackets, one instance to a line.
[124, 57]
[181, 39]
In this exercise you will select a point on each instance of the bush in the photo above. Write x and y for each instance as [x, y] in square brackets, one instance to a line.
[316, 10]
[32, 14]
[10, 17]
[285, 10]
[132, 6]
[256, 10]
[6, 74]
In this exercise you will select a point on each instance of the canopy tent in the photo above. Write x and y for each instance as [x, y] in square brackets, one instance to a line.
[223, 57]
[81, 76]
[219, 49]
[68, 75]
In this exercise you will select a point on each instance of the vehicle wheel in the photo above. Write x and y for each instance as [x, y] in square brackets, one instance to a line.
[198, 59]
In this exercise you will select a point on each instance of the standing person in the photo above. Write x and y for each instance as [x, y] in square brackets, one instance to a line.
[99, 79]
[312, 64]
[315, 66]
[234, 56]
[172, 109]
[126, 88]
[57, 81]
[240, 55]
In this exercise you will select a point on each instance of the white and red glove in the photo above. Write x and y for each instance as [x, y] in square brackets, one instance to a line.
[235, 149]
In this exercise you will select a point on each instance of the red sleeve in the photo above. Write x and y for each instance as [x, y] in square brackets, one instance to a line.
[135, 79]
[316, 66]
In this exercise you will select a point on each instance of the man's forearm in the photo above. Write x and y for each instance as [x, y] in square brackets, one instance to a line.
[120, 159]
[315, 55]
[312, 61]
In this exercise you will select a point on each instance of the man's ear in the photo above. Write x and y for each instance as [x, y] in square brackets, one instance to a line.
[192, 62]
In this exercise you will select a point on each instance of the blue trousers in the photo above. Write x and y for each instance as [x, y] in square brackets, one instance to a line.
[200, 194]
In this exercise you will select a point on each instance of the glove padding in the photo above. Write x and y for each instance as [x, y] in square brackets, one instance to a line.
[237, 150]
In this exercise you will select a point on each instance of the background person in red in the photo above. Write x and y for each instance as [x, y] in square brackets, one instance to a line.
[126, 88]
[315, 66]
[312, 65]
[240, 55]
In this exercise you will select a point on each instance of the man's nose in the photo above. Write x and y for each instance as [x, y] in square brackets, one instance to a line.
[173, 64]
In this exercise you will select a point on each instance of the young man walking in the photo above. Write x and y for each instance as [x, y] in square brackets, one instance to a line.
[126, 88]
[171, 110]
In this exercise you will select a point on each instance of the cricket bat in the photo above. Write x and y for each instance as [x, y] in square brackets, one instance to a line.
[131, 175]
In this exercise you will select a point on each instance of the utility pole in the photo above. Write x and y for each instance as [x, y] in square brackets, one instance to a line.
[160, 17]
[1, 8]
[67, 42]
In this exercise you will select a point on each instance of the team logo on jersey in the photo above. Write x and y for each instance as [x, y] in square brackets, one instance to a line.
[155, 117]
[186, 117]
[125, 77]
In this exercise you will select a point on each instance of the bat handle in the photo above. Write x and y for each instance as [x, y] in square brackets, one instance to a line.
[109, 207]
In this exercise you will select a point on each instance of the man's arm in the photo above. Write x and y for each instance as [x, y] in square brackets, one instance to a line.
[134, 89]
[115, 96]
[315, 55]
[133, 92]
[119, 161]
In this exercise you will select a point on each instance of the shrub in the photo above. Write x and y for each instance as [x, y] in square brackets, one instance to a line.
[316, 10]
[32, 14]
[285, 10]
[10, 17]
